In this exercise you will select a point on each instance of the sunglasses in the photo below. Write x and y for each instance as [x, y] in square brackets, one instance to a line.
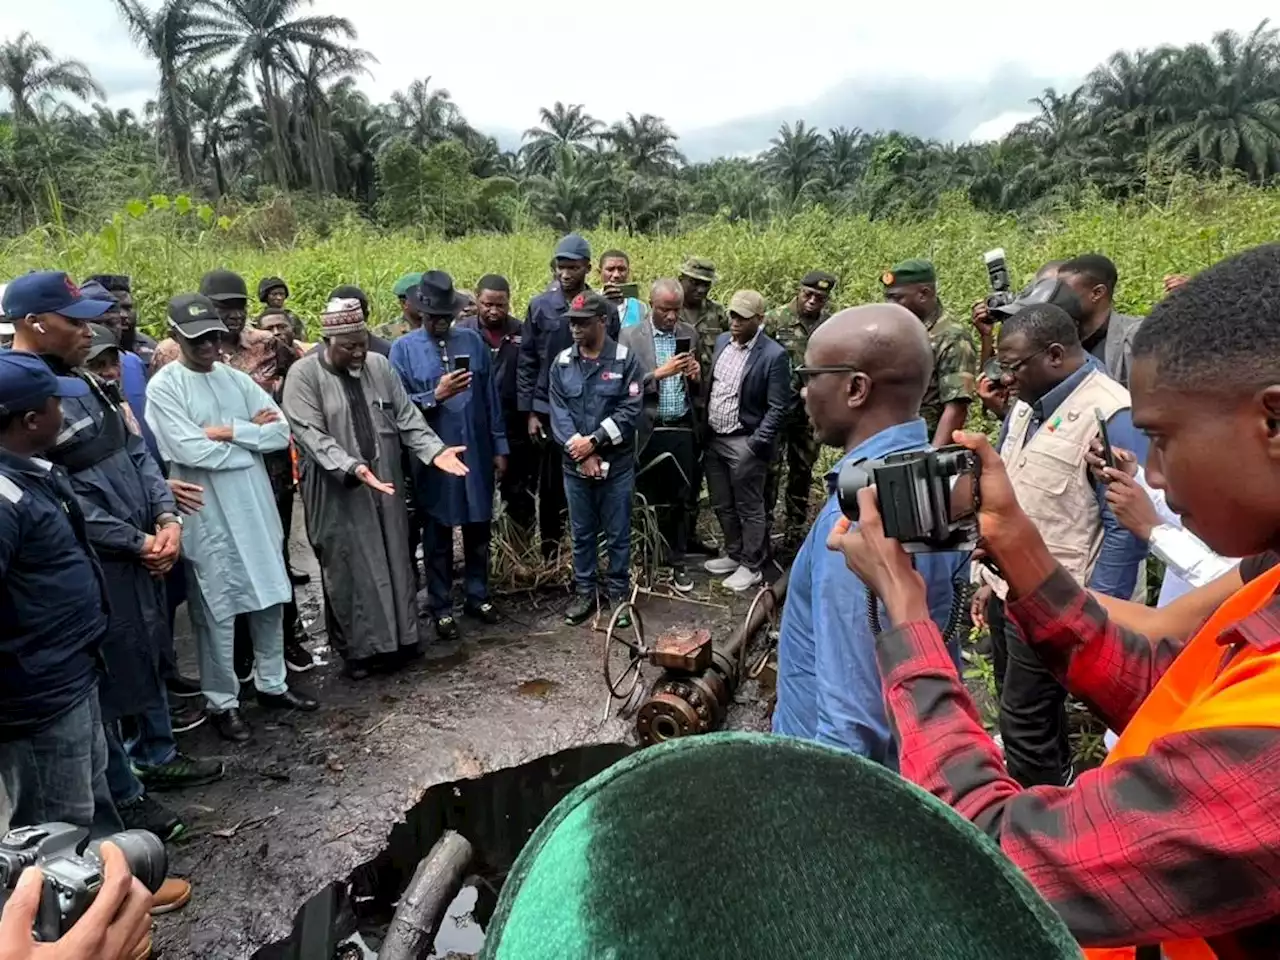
[808, 373]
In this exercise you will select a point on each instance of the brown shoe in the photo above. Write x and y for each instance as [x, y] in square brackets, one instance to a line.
[174, 894]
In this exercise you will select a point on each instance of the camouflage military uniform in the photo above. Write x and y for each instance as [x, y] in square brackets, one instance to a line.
[955, 368]
[710, 320]
[800, 445]
[393, 330]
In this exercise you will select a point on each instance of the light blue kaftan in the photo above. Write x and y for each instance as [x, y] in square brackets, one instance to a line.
[234, 543]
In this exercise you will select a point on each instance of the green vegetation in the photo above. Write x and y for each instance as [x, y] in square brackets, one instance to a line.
[260, 98]
[167, 243]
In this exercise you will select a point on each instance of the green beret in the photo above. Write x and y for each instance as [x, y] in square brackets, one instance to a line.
[909, 272]
[402, 285]
[699, 268]
[818, 280]
[738, 845]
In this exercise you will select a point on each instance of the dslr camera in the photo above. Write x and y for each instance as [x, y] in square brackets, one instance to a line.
[72, 869]
[928, 500]
[1001, 294]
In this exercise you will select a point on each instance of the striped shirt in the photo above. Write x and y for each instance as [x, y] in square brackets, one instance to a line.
[672, 404]
[726, 383]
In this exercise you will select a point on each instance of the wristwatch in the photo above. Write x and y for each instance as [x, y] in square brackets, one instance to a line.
[169, 519]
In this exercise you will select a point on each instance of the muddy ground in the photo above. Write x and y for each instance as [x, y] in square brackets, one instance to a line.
[313, 795]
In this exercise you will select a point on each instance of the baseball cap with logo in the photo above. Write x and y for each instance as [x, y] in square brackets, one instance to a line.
[50, 291]
[588, 305]
[747, 304]
[192, 315]
[103, 339]
[26, 382]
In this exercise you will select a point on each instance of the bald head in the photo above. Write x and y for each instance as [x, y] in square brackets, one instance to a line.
[889, 350]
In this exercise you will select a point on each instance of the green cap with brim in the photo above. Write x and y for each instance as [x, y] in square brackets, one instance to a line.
[401, 287]
[699, 268]
[742, 845]
[908, 272]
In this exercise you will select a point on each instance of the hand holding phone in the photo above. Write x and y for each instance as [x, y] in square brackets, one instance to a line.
[1108, 455]
[461, 363]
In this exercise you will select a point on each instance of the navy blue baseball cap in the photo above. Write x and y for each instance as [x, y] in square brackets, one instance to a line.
[573, 247]
[50, 291]
[26, 382]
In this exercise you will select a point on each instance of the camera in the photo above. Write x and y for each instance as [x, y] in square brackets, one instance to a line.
[72, 869]
[928, 500]
[998, 273]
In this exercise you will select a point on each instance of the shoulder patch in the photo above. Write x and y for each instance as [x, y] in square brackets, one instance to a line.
[10, 491]
[623, 352]
[565, 355]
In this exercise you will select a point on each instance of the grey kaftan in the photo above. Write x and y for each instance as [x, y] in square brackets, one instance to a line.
[360, 535]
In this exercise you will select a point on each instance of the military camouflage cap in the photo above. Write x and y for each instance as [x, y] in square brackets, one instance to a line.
[747, 304]
[909, 272]
[817, 280]
[699, 268]
[401, 287]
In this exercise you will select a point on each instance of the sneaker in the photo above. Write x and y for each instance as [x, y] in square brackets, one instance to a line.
[180, 686]
[297, 657]
[186, 716]
[484, 612]
[447, 630]
[147, 813]
[624, 620]
[681, 580]
[181, 771]
[174, 894]
[742, 579]
[720, 566]
[298, 578]
[581, 610]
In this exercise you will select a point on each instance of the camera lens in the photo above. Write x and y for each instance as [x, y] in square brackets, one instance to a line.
[143, 851]
[853, 477]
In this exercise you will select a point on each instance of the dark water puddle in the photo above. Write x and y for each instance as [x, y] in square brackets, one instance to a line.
[496, 812]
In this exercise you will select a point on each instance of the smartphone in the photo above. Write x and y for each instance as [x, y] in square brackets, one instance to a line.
[1108, 455]
[684, 345]
[630, 290]
[461, 363]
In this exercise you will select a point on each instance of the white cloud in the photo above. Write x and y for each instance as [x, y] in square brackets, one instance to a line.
[998, 126]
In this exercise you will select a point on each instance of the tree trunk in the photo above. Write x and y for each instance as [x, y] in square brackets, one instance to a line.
[219, 178]
[272, 103]
[435, 883]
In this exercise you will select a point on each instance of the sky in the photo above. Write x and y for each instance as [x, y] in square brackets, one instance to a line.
[723, 79]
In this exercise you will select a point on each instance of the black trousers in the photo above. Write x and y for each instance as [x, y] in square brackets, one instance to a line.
[666, 474]
[552, 504]
[520, 483]
[438, 542]
[1033, 715]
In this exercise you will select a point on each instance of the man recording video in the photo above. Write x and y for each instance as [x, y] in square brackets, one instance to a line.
[1173, 840]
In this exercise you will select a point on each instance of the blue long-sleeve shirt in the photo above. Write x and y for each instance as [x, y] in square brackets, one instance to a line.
[1116, 572]
[829, 687]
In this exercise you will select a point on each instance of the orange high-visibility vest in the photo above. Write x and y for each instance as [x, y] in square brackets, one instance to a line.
[1194, 695]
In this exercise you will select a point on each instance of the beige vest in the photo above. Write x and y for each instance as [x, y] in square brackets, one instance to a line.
[1050, 476]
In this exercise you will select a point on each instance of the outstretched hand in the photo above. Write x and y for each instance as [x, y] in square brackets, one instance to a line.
[370, 480]
[450, 461]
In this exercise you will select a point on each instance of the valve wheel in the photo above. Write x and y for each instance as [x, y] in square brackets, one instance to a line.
[615, 640]
[771, 626]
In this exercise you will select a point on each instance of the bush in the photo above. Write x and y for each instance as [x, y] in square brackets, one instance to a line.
[166, 245]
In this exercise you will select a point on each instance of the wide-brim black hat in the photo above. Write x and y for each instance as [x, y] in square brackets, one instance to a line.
[745, 845]
[434, 295]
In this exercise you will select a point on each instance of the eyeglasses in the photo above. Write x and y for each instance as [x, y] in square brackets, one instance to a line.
[808, 373]
[1011, 369]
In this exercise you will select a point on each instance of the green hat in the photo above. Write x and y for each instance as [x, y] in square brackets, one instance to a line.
[745, 845]
[699, 268]
[402, 285]
[909, 272]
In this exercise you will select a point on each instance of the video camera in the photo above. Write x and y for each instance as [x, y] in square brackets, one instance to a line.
[1001, 294]
[73, 869]
[928, 500]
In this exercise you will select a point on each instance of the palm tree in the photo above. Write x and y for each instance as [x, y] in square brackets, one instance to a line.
[215, 97]
[1227, 113]
[847, 157]
[646, 144]
[425, 115]
[561, 126]
[31, 76]
[311, 96]
[178, 35]
[572, 194]
[264, 32]
[795, 158]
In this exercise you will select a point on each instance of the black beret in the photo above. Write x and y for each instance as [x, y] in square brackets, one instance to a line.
[819, 281]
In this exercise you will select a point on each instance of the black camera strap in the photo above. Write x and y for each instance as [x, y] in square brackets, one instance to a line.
[960, 595]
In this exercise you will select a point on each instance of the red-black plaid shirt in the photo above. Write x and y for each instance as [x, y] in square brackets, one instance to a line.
[1181, 843]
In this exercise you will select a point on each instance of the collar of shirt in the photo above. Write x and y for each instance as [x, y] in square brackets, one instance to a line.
[660, 334]
[1043, 408]
[744, 347]
[901, 436]
[1098, 336]
[933, 320]
[607, 352]
[32, 466]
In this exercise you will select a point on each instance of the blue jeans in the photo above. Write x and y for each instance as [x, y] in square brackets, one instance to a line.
[59, 772]
[146, 740]
[595, 507]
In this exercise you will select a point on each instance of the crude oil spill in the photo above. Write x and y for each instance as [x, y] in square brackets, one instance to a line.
[497, 812]
[538, 687]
